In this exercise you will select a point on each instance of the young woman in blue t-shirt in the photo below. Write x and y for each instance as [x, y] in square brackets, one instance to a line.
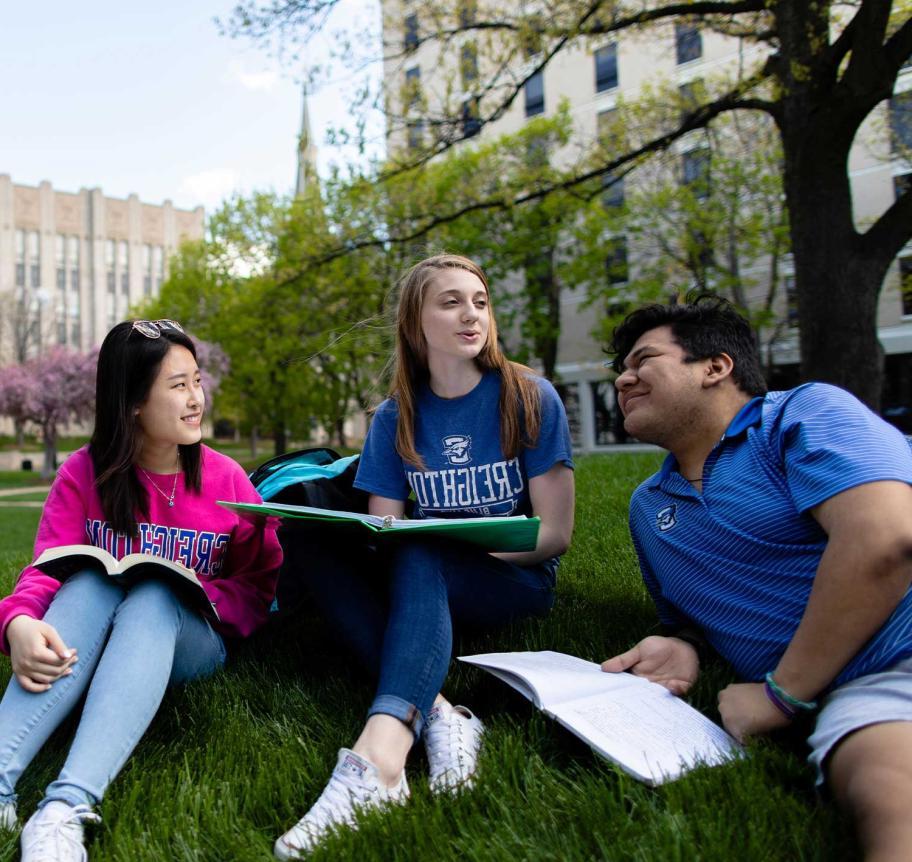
[469, 433]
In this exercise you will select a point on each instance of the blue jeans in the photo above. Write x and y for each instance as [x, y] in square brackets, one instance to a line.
[132, 643]
[406, 642]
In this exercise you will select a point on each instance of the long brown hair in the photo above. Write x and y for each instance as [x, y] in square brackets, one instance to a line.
[520, 402]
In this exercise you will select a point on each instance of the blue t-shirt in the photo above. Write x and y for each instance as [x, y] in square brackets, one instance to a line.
[465, 472]
[739, 559]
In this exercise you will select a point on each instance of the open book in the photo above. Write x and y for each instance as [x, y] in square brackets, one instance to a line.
[639, 725]
[514, 533]
[66, 560]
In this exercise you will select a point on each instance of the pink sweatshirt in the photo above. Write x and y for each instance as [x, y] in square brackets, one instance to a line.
[237, 562]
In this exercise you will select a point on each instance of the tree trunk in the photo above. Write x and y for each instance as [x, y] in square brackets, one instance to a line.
[837, 277]
[49, 467]
[838, 273]
[280, 438]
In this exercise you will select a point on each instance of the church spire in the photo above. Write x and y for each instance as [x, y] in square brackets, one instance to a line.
[307, 152]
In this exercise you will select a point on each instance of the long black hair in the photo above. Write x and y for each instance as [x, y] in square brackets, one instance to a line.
[128, 364]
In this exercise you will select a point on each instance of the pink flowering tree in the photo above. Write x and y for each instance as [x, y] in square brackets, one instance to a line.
[213, 364]
[50, 391]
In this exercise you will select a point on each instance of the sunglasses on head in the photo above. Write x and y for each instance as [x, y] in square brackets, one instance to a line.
[154, 328]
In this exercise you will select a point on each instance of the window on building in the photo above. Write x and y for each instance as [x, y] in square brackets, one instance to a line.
[147, 269]
[471, 121]
[411, 97]
[158, 262]
[535, 94]
[537, 152]
[33, 240]
[60, 260]
[791, 302]
[901, 122]
[689, 94]
[606, 68]
[532, 35]
[110, 258]
[20, 258]
[123, 266]
[73, 261]
[468, 11]
[74, 321]
[695, 171]
[905, 283]
[616, 266]
[901, 184]
[605, 123]
[468, 65]
[688, 43]
[60, 319]
[415, 134]
[411, 32]
[612, 191]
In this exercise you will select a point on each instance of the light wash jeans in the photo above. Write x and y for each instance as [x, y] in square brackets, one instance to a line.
[132, 643]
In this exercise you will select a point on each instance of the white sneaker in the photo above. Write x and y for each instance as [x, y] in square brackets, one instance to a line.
[8, 815]
[354, 786]
[54, 833]
[452, 739]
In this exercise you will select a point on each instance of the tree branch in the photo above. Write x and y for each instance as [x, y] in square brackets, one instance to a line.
[865, 68]
[648, 16]
[698, 119]
[899, 46]
[893, 229]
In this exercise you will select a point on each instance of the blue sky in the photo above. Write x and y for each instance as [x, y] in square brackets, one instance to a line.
[149, 98]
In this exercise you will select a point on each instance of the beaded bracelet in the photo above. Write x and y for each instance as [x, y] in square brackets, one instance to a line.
[782, 698]
[781, 705]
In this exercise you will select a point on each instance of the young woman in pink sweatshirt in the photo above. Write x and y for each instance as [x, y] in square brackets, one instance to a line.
[144, 484]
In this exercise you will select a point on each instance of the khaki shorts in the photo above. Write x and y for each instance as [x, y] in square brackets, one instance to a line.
[870, 699]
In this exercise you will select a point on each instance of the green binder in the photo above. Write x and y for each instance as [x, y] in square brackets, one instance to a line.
[514, 533]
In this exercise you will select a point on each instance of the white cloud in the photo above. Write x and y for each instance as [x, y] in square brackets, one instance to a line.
[255, 80]
[210, 188]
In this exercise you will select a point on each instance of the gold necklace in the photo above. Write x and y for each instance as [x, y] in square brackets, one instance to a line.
[173, 487]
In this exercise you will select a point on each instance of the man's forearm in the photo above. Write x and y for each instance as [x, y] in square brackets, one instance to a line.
[857, 586]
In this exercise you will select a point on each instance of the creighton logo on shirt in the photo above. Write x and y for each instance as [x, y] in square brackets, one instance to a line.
[456, 448]
[478, 489]
[666, 518]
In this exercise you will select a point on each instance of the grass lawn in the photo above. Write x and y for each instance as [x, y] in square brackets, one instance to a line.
[229, 763]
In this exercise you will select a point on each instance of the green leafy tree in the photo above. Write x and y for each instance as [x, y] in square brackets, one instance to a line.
[825, 67]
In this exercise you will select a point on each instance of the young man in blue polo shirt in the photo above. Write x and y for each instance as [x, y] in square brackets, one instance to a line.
[778, 531]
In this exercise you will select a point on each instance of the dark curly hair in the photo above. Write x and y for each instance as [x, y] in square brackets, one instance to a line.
[704, 325]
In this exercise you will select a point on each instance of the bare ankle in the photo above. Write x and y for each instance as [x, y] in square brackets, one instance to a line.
[385, 742]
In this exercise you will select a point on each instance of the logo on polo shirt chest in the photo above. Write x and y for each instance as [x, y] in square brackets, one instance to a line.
[666, 518]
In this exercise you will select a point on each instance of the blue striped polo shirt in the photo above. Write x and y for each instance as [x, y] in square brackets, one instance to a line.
[738, 560]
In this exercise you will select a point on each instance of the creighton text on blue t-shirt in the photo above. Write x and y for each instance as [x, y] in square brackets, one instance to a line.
[465, 471]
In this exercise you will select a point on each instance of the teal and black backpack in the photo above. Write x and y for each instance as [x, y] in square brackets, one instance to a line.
[313, 477]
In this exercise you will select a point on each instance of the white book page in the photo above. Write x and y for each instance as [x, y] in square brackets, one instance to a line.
[291, 509]
[406, 523]
[648, 731]
[555, 677]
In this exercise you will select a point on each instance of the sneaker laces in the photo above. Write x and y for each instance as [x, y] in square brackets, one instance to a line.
[344, 795]
[338, 801]
[446, 745]
[60, 837]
